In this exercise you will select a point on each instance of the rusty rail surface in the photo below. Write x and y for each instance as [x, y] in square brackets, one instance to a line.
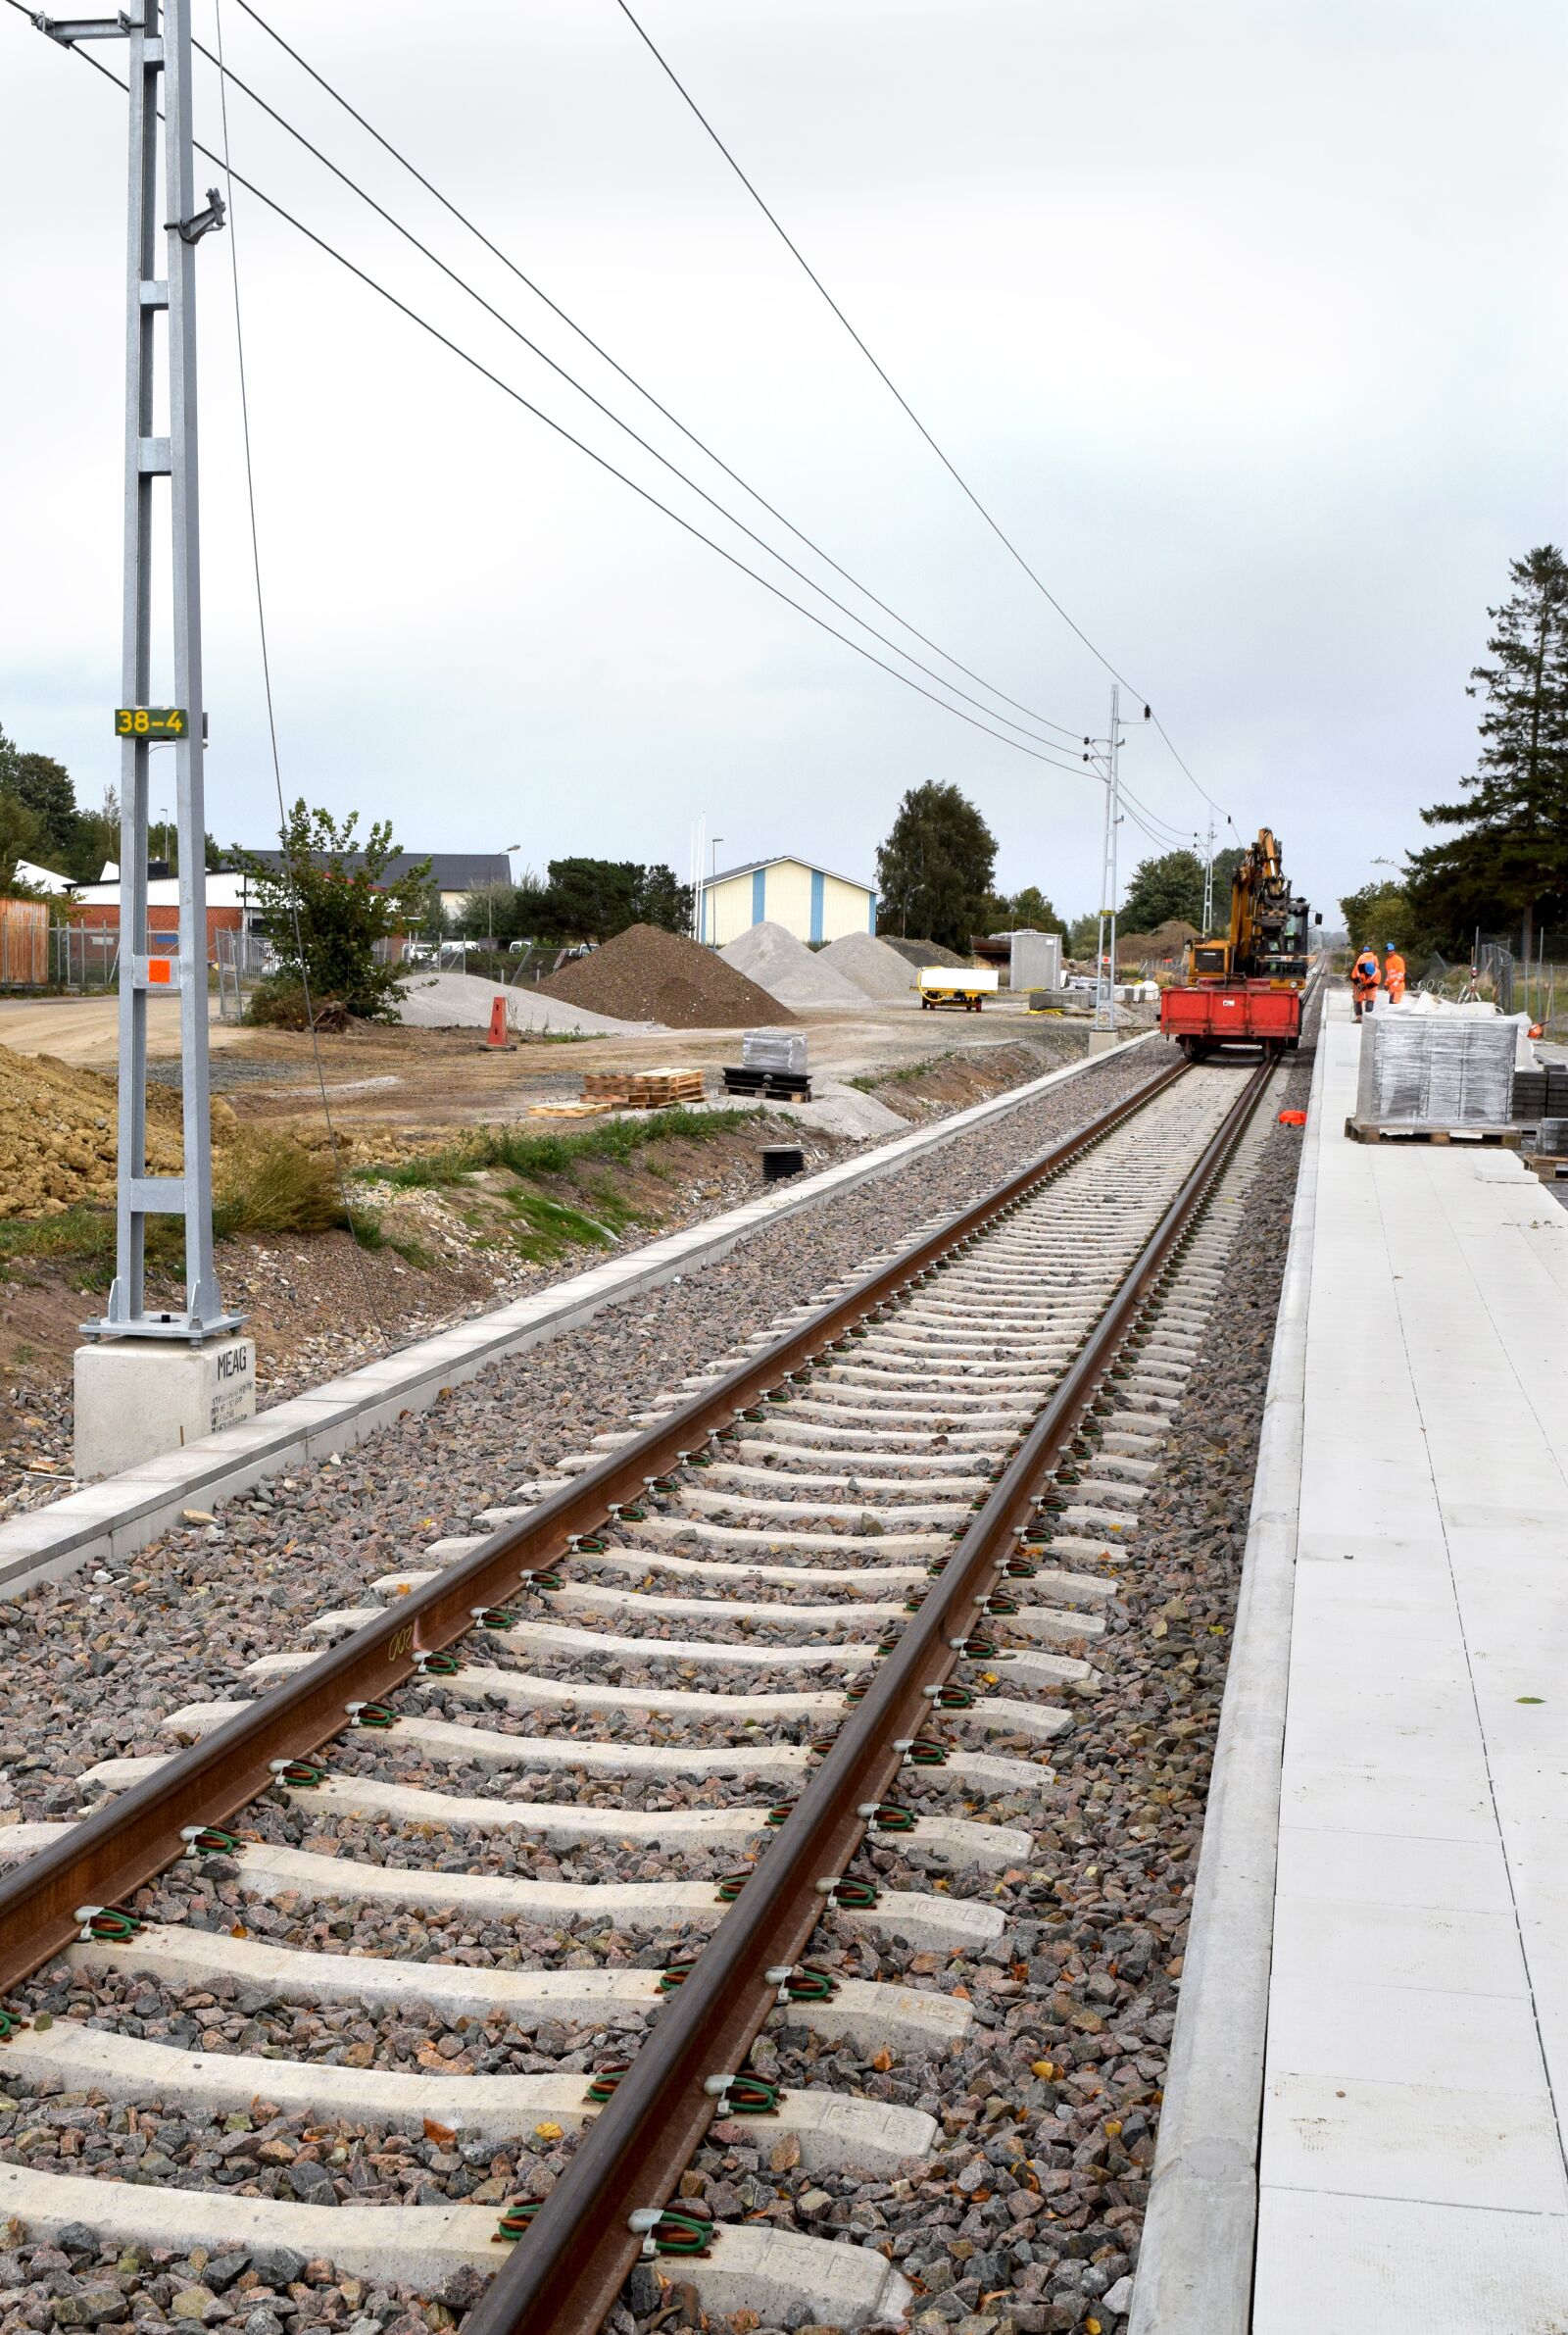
[111, 1852]
[565, 2272]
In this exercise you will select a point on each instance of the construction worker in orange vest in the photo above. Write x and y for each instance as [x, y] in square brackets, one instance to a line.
[1364, 978]
[1393, 974]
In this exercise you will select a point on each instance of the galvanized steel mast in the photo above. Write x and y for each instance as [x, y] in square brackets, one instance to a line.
[160, 48]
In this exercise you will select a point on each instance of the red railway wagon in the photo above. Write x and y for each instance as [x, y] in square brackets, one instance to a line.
[1231, 1014]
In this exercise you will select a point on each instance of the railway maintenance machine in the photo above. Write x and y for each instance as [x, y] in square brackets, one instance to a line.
[1243, 988]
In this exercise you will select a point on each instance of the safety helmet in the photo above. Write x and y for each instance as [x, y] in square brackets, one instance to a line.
[1389, 945]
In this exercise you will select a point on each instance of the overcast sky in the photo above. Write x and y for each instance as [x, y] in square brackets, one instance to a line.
[1245, 321]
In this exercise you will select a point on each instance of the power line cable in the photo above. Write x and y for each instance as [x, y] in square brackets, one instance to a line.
[954, 472]
[1034, 752]
[371, 1306]
[629, 377]
[610, 415]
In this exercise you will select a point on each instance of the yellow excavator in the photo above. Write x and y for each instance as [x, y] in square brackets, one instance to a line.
[1244, 988]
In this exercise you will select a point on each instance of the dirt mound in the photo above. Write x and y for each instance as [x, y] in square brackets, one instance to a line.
[921, 951]
[58, 1134]
[876, 970]
[644, 975]
[772, 957]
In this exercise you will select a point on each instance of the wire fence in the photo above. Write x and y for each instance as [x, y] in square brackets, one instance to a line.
[85, 957]
[244, 957]
[1496, 974]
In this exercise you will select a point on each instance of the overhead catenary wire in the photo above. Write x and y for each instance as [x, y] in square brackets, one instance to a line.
[631, 379]
[506, 323]
[1035, 753]
[371, 1306]
[892, 387]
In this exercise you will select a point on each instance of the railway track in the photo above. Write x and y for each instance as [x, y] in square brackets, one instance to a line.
[763, 1686]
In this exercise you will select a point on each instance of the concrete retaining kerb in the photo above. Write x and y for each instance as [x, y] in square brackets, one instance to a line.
[121, 1514]
[1194, 2264]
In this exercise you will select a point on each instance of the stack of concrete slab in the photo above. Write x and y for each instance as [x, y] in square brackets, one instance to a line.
[1438, 1070]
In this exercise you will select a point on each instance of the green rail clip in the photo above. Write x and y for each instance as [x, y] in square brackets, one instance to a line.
[517, 2220]
[682, 2232]
[380, 1716]
[892, 1817]
[808, 1982]
[858, 1896]
[301, 1774]
[752, 2096]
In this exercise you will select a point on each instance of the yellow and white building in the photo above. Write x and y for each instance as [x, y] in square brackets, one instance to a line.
[812, 903]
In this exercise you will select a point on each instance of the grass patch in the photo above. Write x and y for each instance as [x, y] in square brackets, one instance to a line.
[264, 1188]
[548, 1231]
[901, 1077]
[556, 1154]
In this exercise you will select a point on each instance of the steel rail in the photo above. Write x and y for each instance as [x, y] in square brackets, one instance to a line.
[566, 2272]
[111, 1853]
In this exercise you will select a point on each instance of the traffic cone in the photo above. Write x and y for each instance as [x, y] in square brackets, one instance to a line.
[497, 1023]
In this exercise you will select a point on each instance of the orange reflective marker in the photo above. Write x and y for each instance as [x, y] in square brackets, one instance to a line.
[158, 971]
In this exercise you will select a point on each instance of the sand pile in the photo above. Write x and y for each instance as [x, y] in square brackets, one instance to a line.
[772, 957]
[875, 969]
[58, 1134]
[921, 951]
[644, 975]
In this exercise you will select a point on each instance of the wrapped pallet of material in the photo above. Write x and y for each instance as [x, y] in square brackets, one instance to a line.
[774, 1050]
[1444, 1070]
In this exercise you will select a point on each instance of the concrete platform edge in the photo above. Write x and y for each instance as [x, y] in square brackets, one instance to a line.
[1195, 2265]
[124, 1513]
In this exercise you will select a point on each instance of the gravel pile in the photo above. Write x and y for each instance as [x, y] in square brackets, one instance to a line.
[462, 1001]
[647, 974]
[875, 967]
[788, 970]
[923, 952]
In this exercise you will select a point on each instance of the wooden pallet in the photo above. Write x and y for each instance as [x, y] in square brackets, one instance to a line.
[1367, 1131]
[1549, 1165]
[583, 1110]
[644, 1090]
[774, 1086]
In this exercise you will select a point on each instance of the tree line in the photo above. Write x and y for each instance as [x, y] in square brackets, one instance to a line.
[936, 881]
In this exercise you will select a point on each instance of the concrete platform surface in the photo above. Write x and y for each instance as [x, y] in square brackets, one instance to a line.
[1413, 2161]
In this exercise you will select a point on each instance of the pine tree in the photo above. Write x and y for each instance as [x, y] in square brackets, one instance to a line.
[1511, 856]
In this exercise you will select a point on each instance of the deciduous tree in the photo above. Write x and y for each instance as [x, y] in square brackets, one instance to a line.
[934, 870]
[1163, 890]
[325, 907]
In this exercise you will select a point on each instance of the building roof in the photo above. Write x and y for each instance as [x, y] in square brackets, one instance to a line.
[43, 879]
[791, 859]
[450, 870]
